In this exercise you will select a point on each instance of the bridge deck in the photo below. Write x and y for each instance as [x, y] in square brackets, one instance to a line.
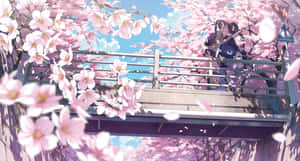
[244, 111]
[149, 125]
[231, 116]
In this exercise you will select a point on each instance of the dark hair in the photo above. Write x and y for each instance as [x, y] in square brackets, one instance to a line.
[210, 39]
[233, 28]
[219, 25]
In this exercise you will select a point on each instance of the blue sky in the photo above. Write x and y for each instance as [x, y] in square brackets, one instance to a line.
[149, 6]
[156, 7]
[123, 45]
[167, 16]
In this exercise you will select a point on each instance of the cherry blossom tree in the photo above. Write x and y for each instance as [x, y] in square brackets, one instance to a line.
[257, 23]
[213, 26]
[48, 32]
[190, 149]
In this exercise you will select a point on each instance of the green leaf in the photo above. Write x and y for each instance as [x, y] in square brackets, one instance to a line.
[17, 128]
[117, 86]
[101, 6]
[138, 12]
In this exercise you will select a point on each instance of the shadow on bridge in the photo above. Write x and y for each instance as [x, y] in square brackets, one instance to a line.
[270, 150]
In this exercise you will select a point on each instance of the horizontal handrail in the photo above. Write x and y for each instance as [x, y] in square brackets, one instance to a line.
[217, 76]
[97, 78]
[219, 68]
[103, 62]
[113, 54]
[157, 66]
[222, 60]
[221, 85]
[181, 57]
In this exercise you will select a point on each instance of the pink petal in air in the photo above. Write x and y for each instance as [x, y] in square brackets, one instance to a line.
[267, 30]
[172, 115]
[292, 71]
[280, 137]
[204, 105]
[26, 123]
[119, 156]
[102, 140]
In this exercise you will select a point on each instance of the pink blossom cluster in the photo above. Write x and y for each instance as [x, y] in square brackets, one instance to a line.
[39, 135]
[118, 67]
[187, 149]
[40, 99]
[44, 30]
[44, 35]
[120, 21]
[81, 93]
[98, 148]
[42, 27]
[8, 26]
[127, 95]
[256, 24]
[45, 27]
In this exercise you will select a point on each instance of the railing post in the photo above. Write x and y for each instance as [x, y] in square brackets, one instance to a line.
[292, 93]
[290, 84]
[26, 72]
[155, 82]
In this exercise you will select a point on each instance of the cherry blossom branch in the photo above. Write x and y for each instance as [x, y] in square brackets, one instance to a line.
[296, 3]
[4, 60]
[101, 6]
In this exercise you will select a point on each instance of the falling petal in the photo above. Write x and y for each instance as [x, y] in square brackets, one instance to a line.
[172, 116]
[132, 6]
[293, 70]
[102, 139]
[213, 124]
[204, 105]
[267, 30]
[119, 157]
[280, 137]
[81, 156]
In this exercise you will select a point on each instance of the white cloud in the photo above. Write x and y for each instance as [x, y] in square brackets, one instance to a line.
[101, 45]
[104, 45]
[126, 139]
[170, 14]
[171, 21]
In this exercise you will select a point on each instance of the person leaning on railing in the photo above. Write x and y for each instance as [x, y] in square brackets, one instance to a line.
[221, 44]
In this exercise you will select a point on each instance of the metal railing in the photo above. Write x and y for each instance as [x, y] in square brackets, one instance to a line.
[220, 74]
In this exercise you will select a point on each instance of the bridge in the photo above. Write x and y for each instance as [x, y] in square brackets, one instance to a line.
[248, 101]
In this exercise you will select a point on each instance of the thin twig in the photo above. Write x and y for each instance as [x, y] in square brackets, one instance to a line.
[296, 3]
